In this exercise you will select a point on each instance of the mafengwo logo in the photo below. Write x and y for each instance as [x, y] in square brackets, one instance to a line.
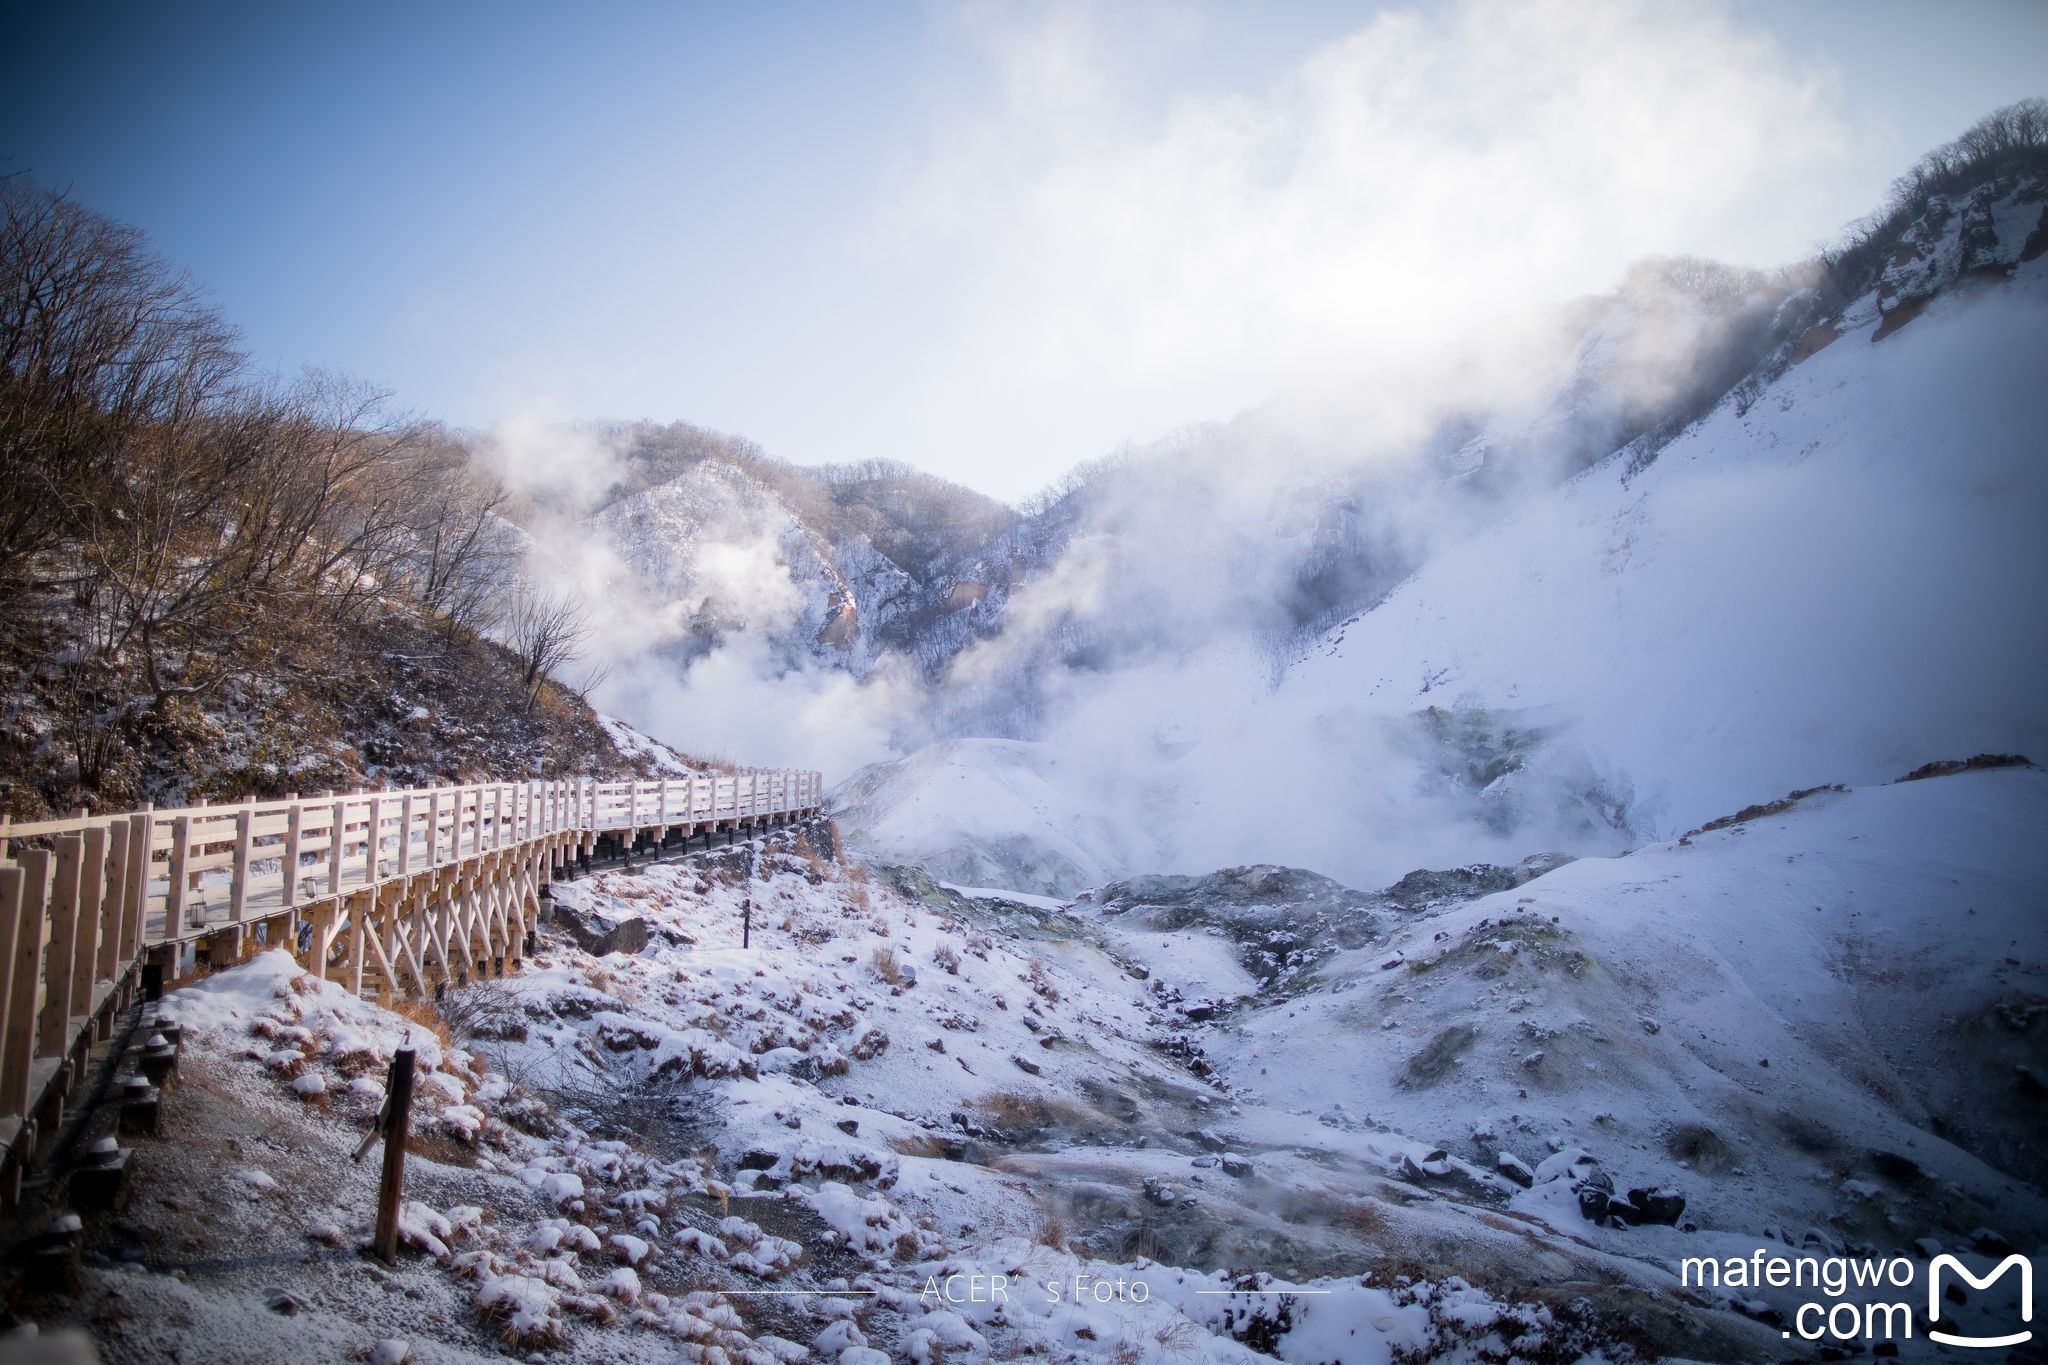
[1945, 1261]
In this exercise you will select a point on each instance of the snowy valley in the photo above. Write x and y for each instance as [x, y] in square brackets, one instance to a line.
[1426, 869]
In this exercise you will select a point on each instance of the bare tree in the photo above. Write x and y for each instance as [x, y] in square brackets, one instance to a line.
[461, 552]
[100, 340]
[548, 630]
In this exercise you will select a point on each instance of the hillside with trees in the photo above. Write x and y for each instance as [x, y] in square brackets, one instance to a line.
[217, 583]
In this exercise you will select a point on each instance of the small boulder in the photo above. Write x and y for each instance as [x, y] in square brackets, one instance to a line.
[627, 936]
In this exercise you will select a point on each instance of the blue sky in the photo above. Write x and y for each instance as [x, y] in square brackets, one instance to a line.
[993, 240]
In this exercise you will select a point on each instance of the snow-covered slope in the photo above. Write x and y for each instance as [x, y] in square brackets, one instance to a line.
[1824, 1016]
[1830, 581]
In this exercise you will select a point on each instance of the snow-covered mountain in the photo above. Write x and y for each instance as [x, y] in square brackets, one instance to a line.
[1819, 580]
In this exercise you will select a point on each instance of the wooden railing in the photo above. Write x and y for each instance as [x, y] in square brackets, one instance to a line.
[389, 889]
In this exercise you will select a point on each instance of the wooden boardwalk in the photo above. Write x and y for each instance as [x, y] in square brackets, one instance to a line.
[389, 893]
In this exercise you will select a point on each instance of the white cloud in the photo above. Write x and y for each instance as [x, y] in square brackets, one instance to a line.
[1120, 269]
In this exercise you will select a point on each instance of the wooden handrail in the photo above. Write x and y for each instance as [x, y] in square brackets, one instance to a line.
[85, 901]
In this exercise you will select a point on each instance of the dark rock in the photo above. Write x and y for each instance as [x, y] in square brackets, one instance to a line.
[1236, 1166]
[1989, 1243]
[1032, 1068]
[1515, 1169]
[758, 1160]
[1663, 1206]
[627, 936]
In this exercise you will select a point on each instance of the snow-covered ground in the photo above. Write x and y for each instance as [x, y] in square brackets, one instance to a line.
[1370, 1141]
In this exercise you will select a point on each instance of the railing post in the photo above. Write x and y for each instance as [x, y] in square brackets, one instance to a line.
[405, 835]
[18, 948]
[434, 828]
[245, 842]
[135, 914]
[174, 889]
[288, 865]
[92, 872]
[334, 848]
[53, 1030]
[373, 841]
[30, 937]
[113, 903]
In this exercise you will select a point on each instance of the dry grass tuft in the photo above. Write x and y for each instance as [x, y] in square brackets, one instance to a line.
[919, 1144]
[420, 1012]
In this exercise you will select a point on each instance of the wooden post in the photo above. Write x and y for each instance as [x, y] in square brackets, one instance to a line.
[334, 848]
[113, 905]
[288, 864]
[245, 843]
[54, 1028]
[405, 835]
[174, 889]
[85, 958]
[373, 844]
[134, 915]
[323, 936]
[17, 991]
[391, 1184]
[434, 828]
[19, 1045]
[358, 936]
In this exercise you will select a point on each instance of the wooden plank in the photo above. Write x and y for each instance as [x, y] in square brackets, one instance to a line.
[53, 1025]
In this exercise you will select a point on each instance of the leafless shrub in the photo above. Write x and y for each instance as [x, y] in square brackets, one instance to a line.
[546, 630]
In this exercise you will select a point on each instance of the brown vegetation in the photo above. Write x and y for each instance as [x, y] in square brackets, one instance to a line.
[212, 583]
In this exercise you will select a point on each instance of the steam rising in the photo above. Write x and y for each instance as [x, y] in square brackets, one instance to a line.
[1390, 265]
